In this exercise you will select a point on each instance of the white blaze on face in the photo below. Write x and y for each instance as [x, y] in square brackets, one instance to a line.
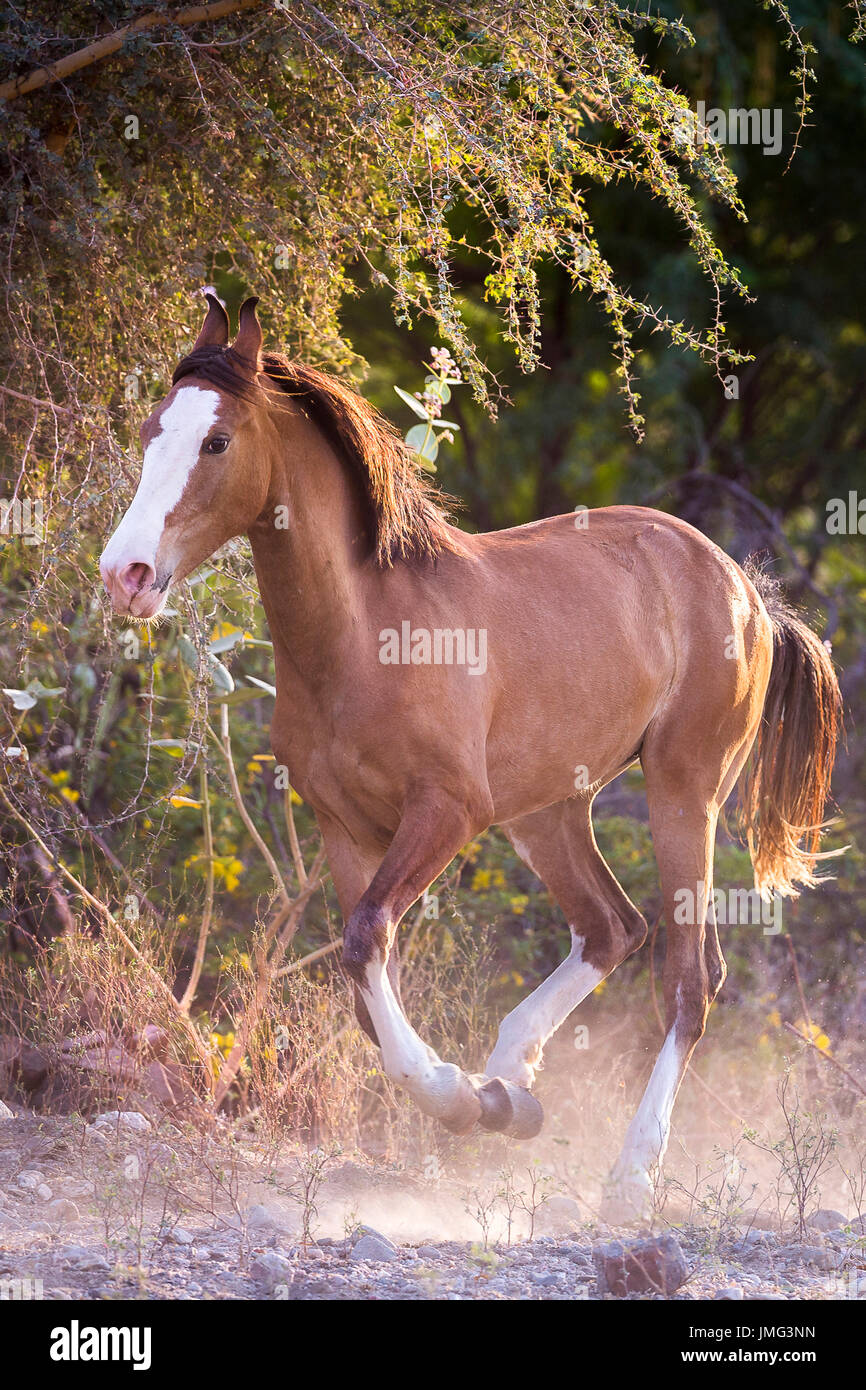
[168, 462]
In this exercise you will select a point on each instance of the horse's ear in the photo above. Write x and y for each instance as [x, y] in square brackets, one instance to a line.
[248, 343]
[215, 329]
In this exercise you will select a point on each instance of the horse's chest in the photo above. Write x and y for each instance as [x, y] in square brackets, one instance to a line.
[330, 771]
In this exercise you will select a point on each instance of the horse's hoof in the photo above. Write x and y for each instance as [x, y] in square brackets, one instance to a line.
[452, 1099]
[509, 1109]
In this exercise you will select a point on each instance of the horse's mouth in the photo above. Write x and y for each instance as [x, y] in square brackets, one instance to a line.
[149, 602]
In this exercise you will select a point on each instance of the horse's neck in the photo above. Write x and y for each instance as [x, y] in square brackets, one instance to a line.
[308, 547]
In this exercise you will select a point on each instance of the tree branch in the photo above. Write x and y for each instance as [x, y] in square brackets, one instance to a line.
[110, 43]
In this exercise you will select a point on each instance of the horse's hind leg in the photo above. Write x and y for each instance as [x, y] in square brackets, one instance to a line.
[683, 819]
[558, 844]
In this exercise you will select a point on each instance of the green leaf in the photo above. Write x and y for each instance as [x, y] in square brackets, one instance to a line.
[187, 651]
[263, 685]
[218, 673]
[41, 691]
[416, 437]
[225, 644]
[21, 699]
[412, 401]
[241, 695]
[438, 388]
[426, 445]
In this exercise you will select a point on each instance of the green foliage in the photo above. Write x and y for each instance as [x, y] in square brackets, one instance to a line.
[511, 181]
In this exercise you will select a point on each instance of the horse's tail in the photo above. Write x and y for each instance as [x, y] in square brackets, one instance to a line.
[787, 781]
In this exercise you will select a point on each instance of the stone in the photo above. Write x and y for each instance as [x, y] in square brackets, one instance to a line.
[62, 1211]
[180, 1236]
[270, 1268]
[82, 1258]
[31, 1068]
[69, 1186]
[5, 1112]
[266, 1217]
[754, 1239]
[44, 1192]
[373, 1247]
[30, 1179]
[428, 1252]
[816, 1255]
[124, 1119]
[152, 1039]
[377, 1235]
[826, 1220]
[656, 1265]
[165, 1084]
[733, 1292]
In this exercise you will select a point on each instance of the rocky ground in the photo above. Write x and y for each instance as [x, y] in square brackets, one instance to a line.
[86, 1212]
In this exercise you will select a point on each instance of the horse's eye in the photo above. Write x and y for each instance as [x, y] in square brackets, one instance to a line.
[217, 445]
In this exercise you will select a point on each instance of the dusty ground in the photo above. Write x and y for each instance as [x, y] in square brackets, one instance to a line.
[108, 1211]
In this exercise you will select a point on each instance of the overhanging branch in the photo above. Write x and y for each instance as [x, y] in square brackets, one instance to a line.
[110, 43]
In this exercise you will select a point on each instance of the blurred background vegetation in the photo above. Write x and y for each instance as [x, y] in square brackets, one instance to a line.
[519, 205]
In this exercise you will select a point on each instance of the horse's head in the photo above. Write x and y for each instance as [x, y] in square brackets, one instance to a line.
[205, 473]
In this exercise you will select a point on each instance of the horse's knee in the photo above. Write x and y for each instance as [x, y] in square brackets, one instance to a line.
[626, 932]
[635, 928]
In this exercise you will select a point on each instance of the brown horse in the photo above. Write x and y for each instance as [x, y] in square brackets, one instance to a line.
[431, 683]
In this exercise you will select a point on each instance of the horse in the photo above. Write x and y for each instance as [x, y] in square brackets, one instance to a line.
[616, 636]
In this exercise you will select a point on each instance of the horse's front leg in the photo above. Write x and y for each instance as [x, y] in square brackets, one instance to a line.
[429, 836]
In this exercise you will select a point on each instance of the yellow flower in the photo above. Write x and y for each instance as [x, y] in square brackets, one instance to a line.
[600, 987]
[181, 800]
[774, 1018]
[480, 880]
[38, 626]
[519, 904]
[229, 870]
[69, 793]
[223, 630]
[815, 1033]
[222, 1042]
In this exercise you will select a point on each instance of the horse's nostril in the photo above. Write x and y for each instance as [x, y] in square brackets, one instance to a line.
[136, 577]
